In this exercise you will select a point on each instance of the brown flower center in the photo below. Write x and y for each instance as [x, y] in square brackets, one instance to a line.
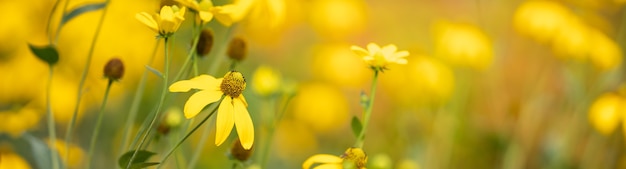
[233, 84]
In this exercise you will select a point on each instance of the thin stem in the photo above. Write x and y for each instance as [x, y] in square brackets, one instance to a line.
[54, 8]
[368, 112]
[81, 83]
[96, 129]
[159, 105]
[272, 129]
[134, 108]
[188, 134]
[190, 54]
[51, 126]
[56, 38]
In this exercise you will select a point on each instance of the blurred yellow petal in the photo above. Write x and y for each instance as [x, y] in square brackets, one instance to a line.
[243, 124]
[205, 16]
[605, 54]
[321, 158]
[606, 113]
[193, 4]
[359, 51]
[147, 20]
[266, 81]
[199, 100]
[225, 120]
[10, 160]
[329, 166]
[202, 82]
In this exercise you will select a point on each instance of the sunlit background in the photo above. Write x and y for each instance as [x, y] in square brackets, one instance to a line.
[488, 84]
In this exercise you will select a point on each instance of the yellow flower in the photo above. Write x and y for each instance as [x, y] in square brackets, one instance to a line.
[266, 80]
[166, 22]
[203, 8]
[355, 157]
[10, 160]
[463, 45]
[19, 120]
[321, 107]
[232, 109]
[541, 20]
[378, 58]
[231, 13]
[607, 112]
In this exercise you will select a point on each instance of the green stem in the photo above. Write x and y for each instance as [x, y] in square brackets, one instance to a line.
[56, 38]
[54, 8]
[190, 54]
[187, 136]
[51, 126]
[159, 105]
[81, 83]
[368, 112]
[272, 130]
[96, 129]
[134, 108]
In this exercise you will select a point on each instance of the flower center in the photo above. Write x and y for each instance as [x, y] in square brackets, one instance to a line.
[233, 84]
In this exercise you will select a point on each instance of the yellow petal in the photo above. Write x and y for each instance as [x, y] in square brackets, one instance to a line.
[401, 54]
[225, 120]
[202, 82]
[605, 113]
[243, 99]
[243, 124]
[389, 50]
[147, 20]
[359, 51]
[190, 4]
[329, 166]
[199, 100]
[373, 48]
[205, 16]
[167, 13]
[321, 158]
[223, 14]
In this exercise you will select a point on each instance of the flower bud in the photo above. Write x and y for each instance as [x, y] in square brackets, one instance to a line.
[205, 43]
[114, 69]
[237, 49]
[238, 152]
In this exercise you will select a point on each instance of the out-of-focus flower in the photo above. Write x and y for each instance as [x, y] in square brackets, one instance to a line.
[266, 80]
[338, 18]
[203, 8]
[407, 164]
[76, 155]
[541, 20]
[607, 112]
[10, 160]
[604, 53]
[19, 119]
[239, 153]
[232, 109]
[322, 107]
[237, 49]
[572, 43]
[294, 140]
[463, 45]
[166, 22]
[380, 161]
[205, 43]
[379, 58]
[433, 79]
[231, 13]
[354, 157]
[336, 63]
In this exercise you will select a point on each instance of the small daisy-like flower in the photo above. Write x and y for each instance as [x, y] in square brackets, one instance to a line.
[378, 58]
[355, 157]
[232, 110]
[166, 22]
[203, 8]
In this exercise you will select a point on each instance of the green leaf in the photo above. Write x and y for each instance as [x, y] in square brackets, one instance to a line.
[81, 10]
[139, 161]
[356, 126]
[153, 70]
[34, 150]
[48, 54]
